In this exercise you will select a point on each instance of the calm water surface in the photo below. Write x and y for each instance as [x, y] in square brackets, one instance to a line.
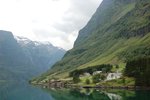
[23, 91]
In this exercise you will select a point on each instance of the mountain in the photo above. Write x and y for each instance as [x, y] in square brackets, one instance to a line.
[42, 54]
[118, 32]
[21, 58]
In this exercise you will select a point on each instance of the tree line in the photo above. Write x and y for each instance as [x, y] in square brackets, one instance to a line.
[140, 70]
[105, 68]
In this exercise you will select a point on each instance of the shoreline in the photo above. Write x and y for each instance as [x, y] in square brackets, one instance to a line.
[95, 87]
[119, 87]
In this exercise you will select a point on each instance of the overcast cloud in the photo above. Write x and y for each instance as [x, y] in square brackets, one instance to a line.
[56, 21]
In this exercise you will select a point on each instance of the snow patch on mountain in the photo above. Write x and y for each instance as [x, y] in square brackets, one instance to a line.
[24, 40]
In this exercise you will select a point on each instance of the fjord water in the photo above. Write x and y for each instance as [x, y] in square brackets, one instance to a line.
[24, 91]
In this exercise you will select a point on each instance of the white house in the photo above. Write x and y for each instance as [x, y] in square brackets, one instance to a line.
[112, 76]
[97, 72]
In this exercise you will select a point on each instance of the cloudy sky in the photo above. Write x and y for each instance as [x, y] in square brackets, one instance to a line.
[56, 21]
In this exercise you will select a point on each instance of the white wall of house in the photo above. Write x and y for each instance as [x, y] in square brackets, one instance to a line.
[112, 76]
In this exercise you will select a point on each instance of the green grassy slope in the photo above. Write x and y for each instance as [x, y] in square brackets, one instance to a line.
[119, 31]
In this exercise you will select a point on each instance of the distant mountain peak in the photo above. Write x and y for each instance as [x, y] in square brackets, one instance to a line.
[22, 39]
[22, 58]
[5, 35]
[25, 40]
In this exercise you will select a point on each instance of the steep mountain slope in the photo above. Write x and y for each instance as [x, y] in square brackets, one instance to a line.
[119, 31]
[9, 49]
[12, 57]
[21, 60]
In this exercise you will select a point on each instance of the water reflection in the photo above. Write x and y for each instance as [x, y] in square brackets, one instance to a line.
[84, 94]
[24, 91]
[96, 94]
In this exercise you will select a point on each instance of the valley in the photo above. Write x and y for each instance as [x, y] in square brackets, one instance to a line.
[118, 33]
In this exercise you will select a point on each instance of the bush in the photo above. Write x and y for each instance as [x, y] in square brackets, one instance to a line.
[87, 81]
[96, 78]
[76, 79]
[102, 76]
[117, 66]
